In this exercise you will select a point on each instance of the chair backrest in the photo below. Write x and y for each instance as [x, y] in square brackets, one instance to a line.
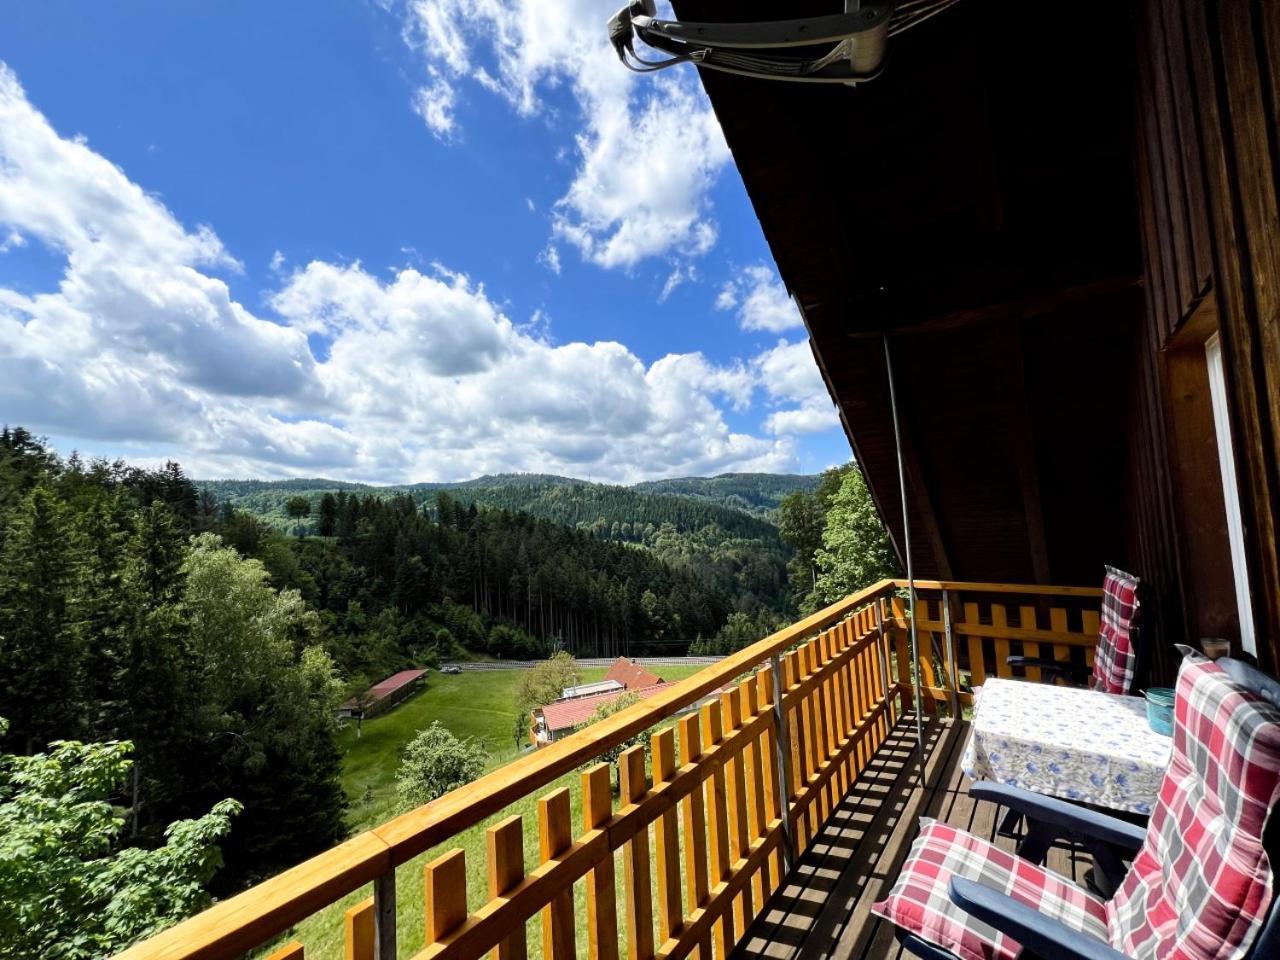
[1116, 657]
[1201, 886]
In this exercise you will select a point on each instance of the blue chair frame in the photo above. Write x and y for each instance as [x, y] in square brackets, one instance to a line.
[1044, 937]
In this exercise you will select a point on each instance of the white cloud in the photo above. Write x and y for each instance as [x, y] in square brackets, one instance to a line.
[790, 375]
[550, 258]
[418, 376]
[681, 273]
[434, 103]
[649, 149]
[761, 300]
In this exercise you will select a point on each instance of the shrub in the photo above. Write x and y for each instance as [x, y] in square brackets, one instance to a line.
[435, 762]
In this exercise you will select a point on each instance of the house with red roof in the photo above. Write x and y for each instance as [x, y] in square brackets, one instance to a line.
[578, 704]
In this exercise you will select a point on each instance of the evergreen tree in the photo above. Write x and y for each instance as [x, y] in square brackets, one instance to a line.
[39, 654]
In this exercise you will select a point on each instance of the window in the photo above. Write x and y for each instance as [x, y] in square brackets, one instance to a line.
[1230, 490]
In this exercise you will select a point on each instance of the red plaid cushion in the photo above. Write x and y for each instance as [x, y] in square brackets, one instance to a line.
[1114, 658]
[1201, 884]
[919, 901]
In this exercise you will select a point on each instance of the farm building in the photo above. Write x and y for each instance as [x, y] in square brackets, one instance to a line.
[383, 696]
[579, 702]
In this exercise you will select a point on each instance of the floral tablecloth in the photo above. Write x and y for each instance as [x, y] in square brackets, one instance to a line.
[1067, 742]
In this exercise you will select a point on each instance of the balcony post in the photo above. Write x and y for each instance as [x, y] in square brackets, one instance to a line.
[384, 915]
[953, 668]
[782, 747]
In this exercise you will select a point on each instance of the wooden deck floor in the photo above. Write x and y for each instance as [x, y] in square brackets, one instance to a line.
[824, 908]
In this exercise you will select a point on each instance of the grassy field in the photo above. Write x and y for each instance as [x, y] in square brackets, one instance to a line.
[477, 705]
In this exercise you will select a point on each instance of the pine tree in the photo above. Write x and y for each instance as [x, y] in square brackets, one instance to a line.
[39, 663]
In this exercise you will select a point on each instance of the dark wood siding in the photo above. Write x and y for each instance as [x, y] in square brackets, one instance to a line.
[1206, 156]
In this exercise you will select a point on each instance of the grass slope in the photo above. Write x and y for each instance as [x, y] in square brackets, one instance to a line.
[471, 705]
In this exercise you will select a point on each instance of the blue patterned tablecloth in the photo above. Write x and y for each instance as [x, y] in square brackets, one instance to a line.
[1067, 742]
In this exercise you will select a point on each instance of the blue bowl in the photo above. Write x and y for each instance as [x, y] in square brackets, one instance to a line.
[1160, 710]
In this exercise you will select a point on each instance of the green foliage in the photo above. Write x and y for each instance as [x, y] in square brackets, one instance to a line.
[298, 507]
[435, 762]
[543, 684]
[855, 551]
[122, 618]
[68, 890]
[738, 631]
[608, 709]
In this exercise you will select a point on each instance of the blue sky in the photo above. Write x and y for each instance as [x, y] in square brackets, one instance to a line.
[383, 241]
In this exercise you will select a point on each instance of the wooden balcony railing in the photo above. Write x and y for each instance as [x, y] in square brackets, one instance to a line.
[747, 760]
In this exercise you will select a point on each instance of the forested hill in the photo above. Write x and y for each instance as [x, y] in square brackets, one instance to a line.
[757, 493]
[740, 505]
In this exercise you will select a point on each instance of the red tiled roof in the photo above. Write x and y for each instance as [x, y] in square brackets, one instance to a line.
[384, 689]
[565, 714]
[631, 675]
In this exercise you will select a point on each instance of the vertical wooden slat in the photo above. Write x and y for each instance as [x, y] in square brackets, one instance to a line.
[736, 770]
[844, 700]
[813, 743]
[797, 773]
[667, 840]
[444, 889]
[1058, 624]
[290, 951]
[717, 823]
[555, 836]
[755, 785]
[357, 931]
[824, 654]
[901, 647]
[977, 669]
[635, 861]
[602, 905]
[1000, 621]
[1089, 628]
[865, 699]
[1027, 620]
[695, 827]
[769, 763]
[506, 870]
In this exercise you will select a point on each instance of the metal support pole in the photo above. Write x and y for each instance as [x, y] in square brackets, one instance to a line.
[384, 915]
[782, 747]
[906, 549]
[953, 668]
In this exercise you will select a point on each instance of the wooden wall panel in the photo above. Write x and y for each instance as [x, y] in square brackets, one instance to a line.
[1207, 156]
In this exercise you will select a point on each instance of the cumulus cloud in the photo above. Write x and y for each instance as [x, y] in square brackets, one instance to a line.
[761, 301]
[415, 376]
[790, 375]
[649, 148]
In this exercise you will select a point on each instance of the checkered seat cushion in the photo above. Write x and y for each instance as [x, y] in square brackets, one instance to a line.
[919, 901]
[1200, 886]
[1115, 657]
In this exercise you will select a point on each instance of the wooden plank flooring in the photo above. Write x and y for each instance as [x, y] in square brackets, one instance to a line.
[823, 908]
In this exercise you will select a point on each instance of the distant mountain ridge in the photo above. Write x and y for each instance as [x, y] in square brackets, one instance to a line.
[755, 494]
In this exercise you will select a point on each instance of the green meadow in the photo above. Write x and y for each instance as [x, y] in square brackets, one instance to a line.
[476, 705]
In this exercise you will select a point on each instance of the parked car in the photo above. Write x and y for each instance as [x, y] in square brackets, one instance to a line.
[451, 668]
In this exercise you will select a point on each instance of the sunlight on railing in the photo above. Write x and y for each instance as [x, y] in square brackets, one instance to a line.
[745, 762]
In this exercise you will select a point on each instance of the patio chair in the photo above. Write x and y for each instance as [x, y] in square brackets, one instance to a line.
[1115, 658]
[1201, 883]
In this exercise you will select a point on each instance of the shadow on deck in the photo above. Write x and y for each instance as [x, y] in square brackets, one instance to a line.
[824, 908]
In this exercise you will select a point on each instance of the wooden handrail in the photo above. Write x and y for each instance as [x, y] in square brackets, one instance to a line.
[959, 586]
[240, 923]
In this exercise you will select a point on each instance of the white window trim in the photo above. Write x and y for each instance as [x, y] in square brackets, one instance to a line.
[1230, 490]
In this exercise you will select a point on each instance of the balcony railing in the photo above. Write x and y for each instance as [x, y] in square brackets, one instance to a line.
[748, 759]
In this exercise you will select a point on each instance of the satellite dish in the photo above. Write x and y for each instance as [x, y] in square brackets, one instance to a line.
[856, 41]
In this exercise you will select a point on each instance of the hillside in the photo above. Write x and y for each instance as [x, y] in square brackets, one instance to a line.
[741, 504]
[756, 493]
